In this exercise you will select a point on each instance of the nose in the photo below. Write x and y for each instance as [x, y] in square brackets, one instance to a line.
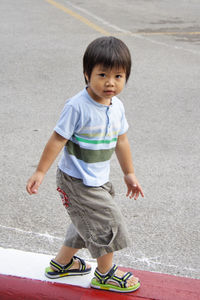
[110, 82]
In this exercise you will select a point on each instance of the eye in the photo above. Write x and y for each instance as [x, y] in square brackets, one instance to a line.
[118, 76]
[102, 75]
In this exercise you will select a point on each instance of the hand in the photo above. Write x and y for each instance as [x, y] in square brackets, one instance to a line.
[133, 187]
[34, 182]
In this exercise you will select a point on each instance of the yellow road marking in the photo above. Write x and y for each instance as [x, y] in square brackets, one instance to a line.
[79, 17]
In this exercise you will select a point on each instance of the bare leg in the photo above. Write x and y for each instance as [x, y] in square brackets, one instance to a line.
[65, 255]
[105, 264]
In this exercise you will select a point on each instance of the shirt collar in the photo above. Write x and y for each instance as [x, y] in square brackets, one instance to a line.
[102, 106]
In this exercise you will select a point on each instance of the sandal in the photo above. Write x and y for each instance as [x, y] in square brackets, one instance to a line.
[62, 271]
[104, 281]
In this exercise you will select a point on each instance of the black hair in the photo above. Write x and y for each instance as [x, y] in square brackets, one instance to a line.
[109, 52]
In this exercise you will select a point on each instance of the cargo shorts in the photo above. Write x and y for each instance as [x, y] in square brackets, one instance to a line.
[97, 223]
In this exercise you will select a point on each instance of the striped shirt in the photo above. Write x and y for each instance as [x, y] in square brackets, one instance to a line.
[92, 130]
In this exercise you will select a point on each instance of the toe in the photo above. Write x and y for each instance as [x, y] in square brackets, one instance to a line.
[133, 281]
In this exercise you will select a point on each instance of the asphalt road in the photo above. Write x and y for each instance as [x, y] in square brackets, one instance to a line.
[42, 43]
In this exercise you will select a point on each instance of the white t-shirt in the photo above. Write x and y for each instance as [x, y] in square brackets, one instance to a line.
[92, 130]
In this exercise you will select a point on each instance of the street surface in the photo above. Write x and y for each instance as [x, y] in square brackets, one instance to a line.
[42, 43]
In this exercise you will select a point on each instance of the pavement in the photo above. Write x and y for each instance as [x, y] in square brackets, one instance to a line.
[42, 43]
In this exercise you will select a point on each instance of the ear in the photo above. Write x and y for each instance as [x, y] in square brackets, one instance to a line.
[86, 78]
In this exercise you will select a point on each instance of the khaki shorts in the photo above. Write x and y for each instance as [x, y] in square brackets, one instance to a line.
[97, 223]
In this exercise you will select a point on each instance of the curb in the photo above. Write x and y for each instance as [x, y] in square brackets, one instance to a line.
[31, 284]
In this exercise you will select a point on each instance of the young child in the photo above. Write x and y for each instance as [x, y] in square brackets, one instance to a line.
[91, 127]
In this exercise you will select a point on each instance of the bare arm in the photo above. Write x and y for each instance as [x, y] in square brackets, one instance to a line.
[51, 151]
[124, 156]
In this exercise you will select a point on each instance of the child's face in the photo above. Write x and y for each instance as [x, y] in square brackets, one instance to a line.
[105, 83]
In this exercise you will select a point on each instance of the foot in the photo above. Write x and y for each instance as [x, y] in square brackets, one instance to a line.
[130, 282]
[119, 273]
[75, 265]
[115, 280]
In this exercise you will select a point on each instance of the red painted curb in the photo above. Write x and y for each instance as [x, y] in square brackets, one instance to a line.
[154, 286]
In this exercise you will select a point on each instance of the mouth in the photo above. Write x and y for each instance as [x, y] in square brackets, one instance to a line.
[109, 92]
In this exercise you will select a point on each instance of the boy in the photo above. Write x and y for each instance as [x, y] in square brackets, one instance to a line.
[91, 127]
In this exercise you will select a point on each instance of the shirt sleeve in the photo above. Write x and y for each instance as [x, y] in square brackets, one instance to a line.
[67, 124]
[124, 123]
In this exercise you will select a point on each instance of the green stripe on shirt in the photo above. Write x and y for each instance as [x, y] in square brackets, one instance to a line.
[88, 155]
[95, 141]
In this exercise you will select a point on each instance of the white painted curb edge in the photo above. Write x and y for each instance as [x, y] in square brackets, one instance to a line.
[32, 265]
